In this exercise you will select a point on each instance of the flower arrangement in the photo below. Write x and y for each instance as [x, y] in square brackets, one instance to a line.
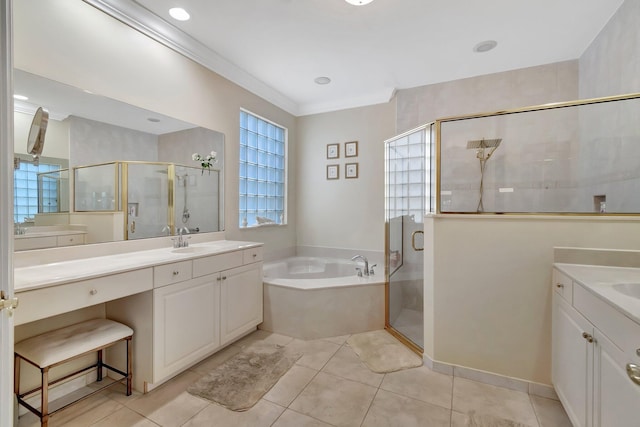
[206, 161]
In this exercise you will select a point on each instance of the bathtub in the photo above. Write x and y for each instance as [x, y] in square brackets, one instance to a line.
[311, 298]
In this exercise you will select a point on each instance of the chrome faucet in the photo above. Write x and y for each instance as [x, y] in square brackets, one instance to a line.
[366, 263]
[181, 241]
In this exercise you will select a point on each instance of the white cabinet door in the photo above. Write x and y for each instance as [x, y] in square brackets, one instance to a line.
[572, 361]
[617, 397]
[241, 301]
[185, 324]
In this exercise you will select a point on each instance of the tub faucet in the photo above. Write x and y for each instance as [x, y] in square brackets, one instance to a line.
[366, 263]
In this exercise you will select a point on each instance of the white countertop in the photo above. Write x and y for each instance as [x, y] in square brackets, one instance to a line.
[44, 275]
[599, 280]
[53, 233]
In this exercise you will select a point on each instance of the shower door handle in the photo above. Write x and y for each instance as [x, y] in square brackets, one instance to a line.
[132, 227]
[413, 241]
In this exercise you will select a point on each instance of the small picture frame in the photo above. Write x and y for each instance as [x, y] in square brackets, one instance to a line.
[333, 151]
[333, 171]
[351, 149]
[351, 170]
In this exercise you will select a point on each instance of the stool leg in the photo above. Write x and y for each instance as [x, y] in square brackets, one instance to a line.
[129, 366]
[44, 399]
[16, 375]
[100, 365]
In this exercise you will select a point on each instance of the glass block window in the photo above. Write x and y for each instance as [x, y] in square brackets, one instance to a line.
[408, 159]
[25, 190]
[263, 148]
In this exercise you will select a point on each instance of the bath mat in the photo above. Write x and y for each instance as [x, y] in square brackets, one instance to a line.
[241, 381]
[383, 353]
[480, 420]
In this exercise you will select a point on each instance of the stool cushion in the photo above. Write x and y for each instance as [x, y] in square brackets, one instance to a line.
[65, 343]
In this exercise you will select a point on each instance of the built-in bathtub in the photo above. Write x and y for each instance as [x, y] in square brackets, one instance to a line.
[310, 298]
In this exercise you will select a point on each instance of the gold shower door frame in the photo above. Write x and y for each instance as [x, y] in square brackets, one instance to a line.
[397, 245]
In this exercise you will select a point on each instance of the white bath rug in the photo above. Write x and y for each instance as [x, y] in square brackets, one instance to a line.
[482, 420]
[382, 352]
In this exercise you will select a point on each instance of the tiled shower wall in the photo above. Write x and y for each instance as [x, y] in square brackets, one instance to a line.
[610, 141]
[559, 161]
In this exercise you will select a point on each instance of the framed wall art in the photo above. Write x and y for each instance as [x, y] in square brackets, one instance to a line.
[351, 149]
[333, 171]
[333, 151]
[351, 170]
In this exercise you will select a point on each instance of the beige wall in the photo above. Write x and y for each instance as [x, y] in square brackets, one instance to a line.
[492, 92]
[343, 213]
[488, 286]
[74, 43]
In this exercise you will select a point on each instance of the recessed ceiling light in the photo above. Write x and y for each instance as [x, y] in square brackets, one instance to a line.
[153, 120]
[179, 13]
[322, 80]
[485, 46]
[20, 97]
[358, 2]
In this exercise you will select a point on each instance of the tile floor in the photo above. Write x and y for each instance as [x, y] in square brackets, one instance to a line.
[328, 386]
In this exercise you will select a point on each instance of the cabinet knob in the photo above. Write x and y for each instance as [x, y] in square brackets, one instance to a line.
[638, 352]
[224, 277]
[633, 371]
[255, 255]
[587, 337]
[175, 273]
[93, 292]
[559, 285]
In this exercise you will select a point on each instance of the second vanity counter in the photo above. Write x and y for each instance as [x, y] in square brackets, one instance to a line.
[612, 285]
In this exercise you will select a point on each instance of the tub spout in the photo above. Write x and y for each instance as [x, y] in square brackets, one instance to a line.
[366, 263]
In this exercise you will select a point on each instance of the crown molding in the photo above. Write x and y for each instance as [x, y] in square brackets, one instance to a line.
[139, 18]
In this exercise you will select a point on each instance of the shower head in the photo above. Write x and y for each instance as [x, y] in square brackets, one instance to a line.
[484, 143]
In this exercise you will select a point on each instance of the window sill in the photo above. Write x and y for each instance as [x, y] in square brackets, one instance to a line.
[249, 227]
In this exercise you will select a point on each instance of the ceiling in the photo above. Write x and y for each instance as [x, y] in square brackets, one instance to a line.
[276, 48]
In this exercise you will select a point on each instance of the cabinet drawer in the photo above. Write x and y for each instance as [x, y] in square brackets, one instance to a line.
[46, 302]
[251, 255]
[167, 274]
[563, 285]
[75, 239]
[622, 331]
[215, 263]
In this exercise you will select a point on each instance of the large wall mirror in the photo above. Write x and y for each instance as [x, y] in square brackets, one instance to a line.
[109, 171]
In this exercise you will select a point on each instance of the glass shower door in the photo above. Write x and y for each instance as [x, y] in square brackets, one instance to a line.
[406, 199]
[147, 200]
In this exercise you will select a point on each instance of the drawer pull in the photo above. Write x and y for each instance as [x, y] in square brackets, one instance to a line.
[93, 292]
[175, 273]
[587, 337]
[255, 255]
[559, 285]
[224, 277]
[634, 372]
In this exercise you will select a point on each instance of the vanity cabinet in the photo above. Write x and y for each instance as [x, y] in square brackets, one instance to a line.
[185, 324]
[196, 307]
[241, 307]
[592, 345]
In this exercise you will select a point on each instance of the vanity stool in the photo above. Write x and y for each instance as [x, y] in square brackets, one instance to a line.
[63, 345]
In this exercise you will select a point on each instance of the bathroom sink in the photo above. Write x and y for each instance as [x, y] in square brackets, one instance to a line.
[629, 289]
[189, 250]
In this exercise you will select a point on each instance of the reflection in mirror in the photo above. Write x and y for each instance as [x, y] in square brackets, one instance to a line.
[86, 130]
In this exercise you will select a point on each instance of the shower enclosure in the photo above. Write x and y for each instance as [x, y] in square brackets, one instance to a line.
[149, 199]
[408, 196]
